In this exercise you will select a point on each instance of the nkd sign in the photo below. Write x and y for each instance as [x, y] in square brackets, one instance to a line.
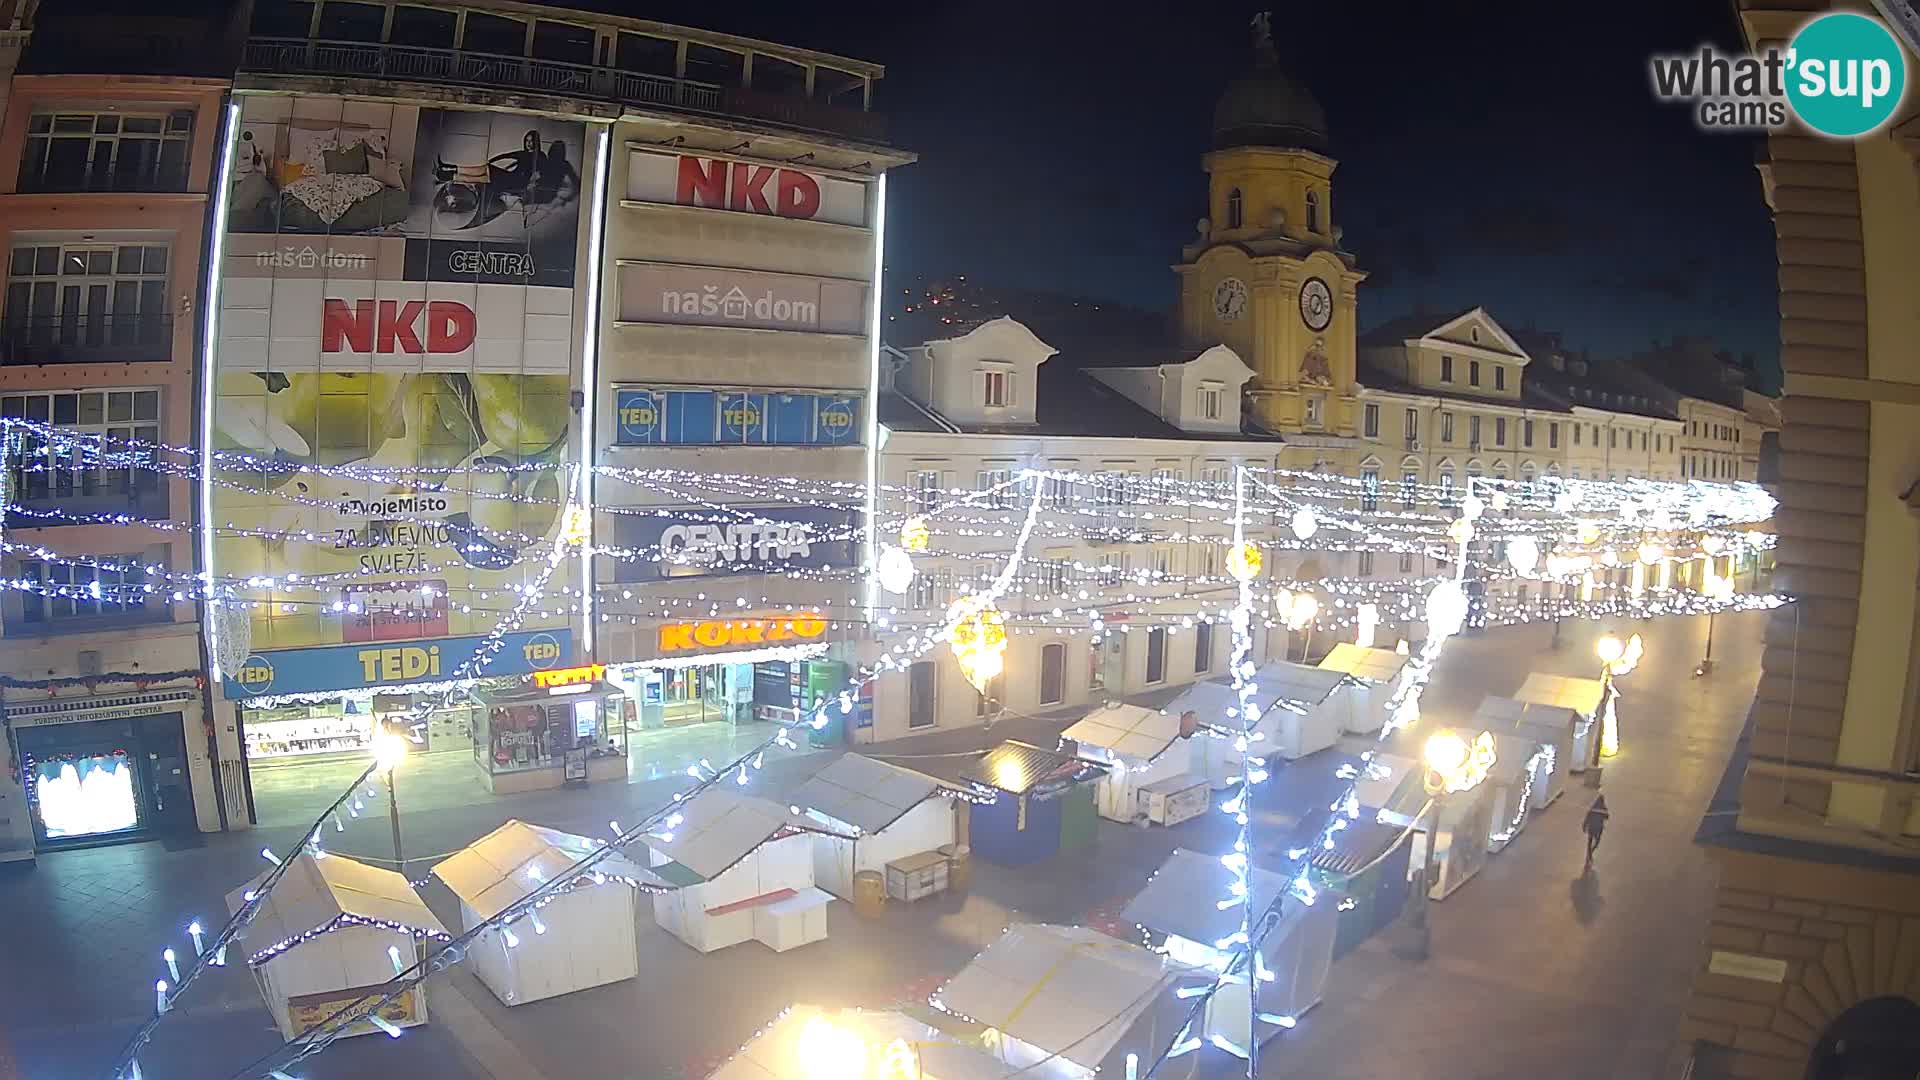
[744, 187]
[714, 296]
[396, 326]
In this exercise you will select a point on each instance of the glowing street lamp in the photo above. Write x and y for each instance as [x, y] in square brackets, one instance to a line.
[1454, 764]
[390, 746]
[1616, 658]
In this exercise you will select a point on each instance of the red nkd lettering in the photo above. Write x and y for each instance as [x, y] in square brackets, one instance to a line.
[798, 194]
[389, 326]
[737, 185]
[701, 183]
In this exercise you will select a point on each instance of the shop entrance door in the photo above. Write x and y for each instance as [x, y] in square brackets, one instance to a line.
[105, 781]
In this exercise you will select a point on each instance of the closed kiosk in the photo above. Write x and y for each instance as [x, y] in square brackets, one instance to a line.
[1041, 804]
[1376, 675]
[1549, 728]
[326, 938]
[744, 871]
[874, 814]
[1302, 711]
[1509, 789]
[1142, 748]
[582, 937]
[1368, 865]
[1583, 696]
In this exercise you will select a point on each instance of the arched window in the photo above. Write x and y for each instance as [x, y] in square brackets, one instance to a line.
[1313, 211]
[1446, 478]
[1235, 209]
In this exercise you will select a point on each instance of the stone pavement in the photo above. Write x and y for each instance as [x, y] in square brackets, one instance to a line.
[1535, 970]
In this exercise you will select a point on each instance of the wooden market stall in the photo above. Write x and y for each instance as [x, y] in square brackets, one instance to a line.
[1550, 730]
[1376, 675]
[811, 1043]
[882, 819]
[743, 870]
[582, 937]
[1181, 902]
[1070, 1002]
[1584, 696]
[328, 935]
[1149, 758]
[1042, 804]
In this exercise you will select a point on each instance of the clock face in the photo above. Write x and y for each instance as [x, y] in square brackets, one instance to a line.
[1230, 298]
[1316, 304]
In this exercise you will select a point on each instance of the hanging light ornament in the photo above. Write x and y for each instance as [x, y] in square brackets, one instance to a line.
[1608, 558]
[1523, 554]
[1565, 500]
[1713, 543]
[914, 533]
[978, 637]
[1472, 506]
[1243, 562]
[1304, 524]
[1461, 530]
[1301, 610]
[895, 569]
[1651, 553]
[1500, 502]
[1446, 609]
[1586, 532]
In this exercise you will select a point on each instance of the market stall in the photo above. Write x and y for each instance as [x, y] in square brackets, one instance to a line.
[1148, 754]
[1509, 789]
[330, 933]
[1181, 902]
[1370, 866]
[1302, 710]
[811, 1043]
[1391, 787]
[1042, 804]
[877, 815]
[1549, 731]
[1070, 1002]
[1583, 696]
[1375, 674]
[743, 868]
[1457, 831]
[580, 938]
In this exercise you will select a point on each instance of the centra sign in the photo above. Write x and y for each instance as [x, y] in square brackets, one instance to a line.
[735, 633]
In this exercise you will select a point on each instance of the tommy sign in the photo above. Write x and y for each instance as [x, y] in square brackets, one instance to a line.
[714, 296]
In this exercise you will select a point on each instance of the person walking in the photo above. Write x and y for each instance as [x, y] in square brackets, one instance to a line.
[1595, 824]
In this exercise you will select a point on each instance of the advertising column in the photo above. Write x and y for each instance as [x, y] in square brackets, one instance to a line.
[396, 350]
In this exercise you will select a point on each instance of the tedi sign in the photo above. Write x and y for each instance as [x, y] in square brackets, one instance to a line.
[394, 326]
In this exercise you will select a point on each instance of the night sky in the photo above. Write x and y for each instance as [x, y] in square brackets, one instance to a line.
[1488, 153]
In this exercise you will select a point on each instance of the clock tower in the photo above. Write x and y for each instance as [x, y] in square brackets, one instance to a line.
[1266, 276]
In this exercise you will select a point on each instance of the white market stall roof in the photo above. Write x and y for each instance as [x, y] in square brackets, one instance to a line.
[864, 792]
[1284, 680]
[1130, 731]
[316, 895]
[1376, 665]
[1383, 784]
[783, 1051]
[498, 870]
[718, 828]
[1508, 715]
[1281, 680]
[1580, 695]
[1070, 991]
[1183, 897]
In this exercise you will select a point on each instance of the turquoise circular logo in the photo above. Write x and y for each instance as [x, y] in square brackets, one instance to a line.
[1846, 74]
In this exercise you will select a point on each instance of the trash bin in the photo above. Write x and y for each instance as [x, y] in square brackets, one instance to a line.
[869, 893]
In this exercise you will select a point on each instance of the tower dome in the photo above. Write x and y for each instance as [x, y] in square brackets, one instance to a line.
[1264, 106]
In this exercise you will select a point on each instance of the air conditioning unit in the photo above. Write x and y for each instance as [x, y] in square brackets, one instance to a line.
[88, 662]
[1413, 443]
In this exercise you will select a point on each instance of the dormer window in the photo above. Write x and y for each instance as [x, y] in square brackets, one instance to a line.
[1313, 211]
[1236, 209]
[1210, 400]
[996, 388]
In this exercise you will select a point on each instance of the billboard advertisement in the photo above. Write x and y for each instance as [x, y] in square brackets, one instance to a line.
[696, 545]
[397, 331]
[719, 296]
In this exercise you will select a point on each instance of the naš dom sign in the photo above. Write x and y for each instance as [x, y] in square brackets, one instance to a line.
[741, 633]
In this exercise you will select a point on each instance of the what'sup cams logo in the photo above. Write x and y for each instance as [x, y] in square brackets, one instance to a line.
[1843, 75]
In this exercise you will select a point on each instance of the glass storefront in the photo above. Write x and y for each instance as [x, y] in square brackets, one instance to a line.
[524, 731]
[331, 729]
[106, 780]
[673, 697]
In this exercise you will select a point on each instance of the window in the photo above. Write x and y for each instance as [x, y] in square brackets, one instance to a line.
[997, 486]
[1446, 369]
[1473, 334]
[1053, 674]
[1446, 428]
[1473, 432]
[928, 591]
[1576, 434]
[121, 592]
[1366, 564]
[1054, 492]
[1613, 440]
[1473, 373]
[1406, 562]
[993, 698]
[1236, 209]
[923, 679]
[1526, 433]
[1409, 484]
[1499, 431]
[1313, 211]
[1446, 480]
[1499, 377]
[1413, 428]
[110, 151]
[1370, 488]
[1370, 421]
[1111, 489]
[1596, 433]
[1156, 655]
[1206, 560]
[1202, 648]
[996, 389]
[926, 490]
[70, 473]
[79, 302]
[1316, 410]
[1553, 436]
[1056, 574]
[1210, 400]
[1162, 555]
[1166, 484]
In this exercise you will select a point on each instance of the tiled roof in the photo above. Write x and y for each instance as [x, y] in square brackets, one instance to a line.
[1417, 324]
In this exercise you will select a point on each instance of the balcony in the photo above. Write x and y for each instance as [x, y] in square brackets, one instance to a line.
[87, 339]
[40, 505]
[375, 60]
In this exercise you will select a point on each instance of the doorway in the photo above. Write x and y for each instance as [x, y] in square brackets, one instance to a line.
[105, 781]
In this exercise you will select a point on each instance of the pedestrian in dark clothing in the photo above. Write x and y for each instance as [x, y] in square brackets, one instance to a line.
[1595, 824]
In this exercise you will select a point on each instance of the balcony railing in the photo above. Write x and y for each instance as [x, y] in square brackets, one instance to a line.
[171, 177]
[87, 339]
[373, 60]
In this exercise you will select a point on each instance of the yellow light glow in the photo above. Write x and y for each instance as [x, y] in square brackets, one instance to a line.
[1243, 562]
[575, 525]
[827, 1052]
[1460, 531]
[914, 533]
[1453, 764]
[1610, 649]
[1301, 610]
[1713, 543]
[1587, 532]
[978, 638]
[1651, 553]
[389, 749]
[1609, 730]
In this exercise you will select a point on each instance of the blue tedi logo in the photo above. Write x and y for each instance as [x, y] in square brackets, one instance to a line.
[256, 675]
[1843, 75]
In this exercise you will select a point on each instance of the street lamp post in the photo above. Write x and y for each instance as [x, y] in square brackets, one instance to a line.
[1452, 765]
[389, 750]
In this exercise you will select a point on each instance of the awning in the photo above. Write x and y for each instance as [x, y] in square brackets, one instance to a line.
[1018, 768]
[782, 1050]
[1374, 665]
[1580, 695]
[718, 828]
